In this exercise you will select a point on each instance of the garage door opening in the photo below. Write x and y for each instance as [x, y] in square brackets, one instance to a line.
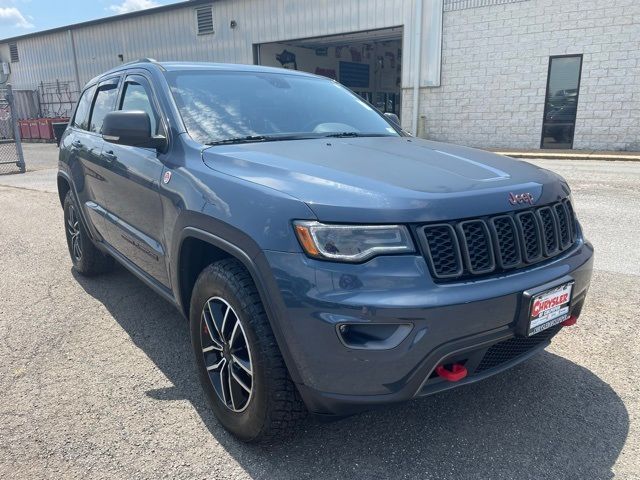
[369, 63]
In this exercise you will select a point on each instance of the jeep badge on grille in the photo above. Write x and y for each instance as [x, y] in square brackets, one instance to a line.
[517, 198]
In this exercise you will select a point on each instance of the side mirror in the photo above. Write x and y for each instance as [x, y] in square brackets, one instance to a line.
[130, 127]
[393, 117]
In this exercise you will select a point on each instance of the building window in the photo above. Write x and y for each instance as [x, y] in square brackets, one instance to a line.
[13, 52]
[561, 101]
[204, 18]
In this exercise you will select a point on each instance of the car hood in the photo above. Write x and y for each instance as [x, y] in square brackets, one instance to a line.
[387, 179]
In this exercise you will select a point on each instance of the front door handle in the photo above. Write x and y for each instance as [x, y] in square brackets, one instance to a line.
[77, 144]
[109, 156]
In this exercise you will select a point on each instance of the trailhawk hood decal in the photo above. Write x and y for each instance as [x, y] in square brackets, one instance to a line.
[387, 179]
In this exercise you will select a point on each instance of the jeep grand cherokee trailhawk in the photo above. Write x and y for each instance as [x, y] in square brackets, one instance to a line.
[326, 260]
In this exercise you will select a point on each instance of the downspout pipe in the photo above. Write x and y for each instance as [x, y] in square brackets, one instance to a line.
[417, 63]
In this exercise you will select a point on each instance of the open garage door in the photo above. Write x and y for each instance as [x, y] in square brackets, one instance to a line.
[369, 63]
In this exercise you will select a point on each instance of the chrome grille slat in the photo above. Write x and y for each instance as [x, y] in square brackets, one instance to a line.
[480, 246]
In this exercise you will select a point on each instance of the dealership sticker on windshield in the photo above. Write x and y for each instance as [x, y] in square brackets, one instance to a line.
[549, 308]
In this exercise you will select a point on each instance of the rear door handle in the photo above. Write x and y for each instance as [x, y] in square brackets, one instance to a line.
[77, 144]
[109, 156]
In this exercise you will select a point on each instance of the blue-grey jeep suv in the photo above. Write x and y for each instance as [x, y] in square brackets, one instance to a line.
[326, 260]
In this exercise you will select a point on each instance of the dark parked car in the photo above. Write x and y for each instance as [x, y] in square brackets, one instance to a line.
[326, 261]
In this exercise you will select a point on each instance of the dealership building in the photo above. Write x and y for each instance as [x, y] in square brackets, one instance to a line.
[487, 73]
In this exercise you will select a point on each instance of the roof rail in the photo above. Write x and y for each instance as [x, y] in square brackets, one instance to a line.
[145, 60]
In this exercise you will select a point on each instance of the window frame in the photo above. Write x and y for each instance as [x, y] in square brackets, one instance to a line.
[547, 93]
[75, 112]
[146, 84]
[141, 76]
[107, 81]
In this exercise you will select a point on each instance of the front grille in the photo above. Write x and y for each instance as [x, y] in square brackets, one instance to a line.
[511, 349]
[486, 245]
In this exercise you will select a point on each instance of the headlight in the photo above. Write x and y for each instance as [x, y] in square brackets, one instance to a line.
[352, 243]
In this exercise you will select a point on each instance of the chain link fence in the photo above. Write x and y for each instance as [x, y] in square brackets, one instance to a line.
[11, 156]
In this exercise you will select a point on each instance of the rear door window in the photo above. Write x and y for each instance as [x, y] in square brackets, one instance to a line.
[104, 103]
[81, 117]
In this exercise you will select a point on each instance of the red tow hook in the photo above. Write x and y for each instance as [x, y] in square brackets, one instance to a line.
[457, 372]
[572, 320]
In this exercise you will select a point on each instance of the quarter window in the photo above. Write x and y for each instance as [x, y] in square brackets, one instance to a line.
[105, 102]
[81, 117]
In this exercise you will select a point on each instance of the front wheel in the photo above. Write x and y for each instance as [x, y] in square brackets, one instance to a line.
[239, 363]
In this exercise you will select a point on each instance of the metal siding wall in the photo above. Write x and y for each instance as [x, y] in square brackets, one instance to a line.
[42, 59]
[171, 35]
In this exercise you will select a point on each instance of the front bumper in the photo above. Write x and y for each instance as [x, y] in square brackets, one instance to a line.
[448, 322]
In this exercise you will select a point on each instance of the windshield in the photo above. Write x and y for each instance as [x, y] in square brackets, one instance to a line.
[221, 106]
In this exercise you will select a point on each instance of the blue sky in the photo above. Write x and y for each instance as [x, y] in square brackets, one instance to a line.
[18, 17]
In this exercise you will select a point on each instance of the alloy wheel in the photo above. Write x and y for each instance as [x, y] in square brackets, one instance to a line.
[226, 352]
[73, 228]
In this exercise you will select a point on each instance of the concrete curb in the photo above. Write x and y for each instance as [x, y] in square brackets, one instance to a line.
[571, 155]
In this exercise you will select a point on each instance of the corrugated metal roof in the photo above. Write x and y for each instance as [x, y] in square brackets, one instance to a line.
[137, 13]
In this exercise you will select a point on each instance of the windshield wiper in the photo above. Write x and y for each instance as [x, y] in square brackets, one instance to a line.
[246, 139]
[355, 134]
[262, 138]
[295, 136]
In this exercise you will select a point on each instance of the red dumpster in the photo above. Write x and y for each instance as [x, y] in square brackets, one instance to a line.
[33, 128]
[24, 129]
[45, 128]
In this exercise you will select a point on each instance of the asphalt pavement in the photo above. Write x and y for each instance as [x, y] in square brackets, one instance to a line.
[97, 378]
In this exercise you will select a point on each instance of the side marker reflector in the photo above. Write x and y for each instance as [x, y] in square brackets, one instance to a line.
[572, 320]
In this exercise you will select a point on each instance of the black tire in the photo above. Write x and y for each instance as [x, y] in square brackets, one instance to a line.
[274, 406]
[86, 258]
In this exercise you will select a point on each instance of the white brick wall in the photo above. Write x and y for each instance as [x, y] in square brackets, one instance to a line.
[494, 74]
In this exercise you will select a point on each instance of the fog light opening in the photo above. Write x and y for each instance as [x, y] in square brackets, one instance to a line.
[373, 336]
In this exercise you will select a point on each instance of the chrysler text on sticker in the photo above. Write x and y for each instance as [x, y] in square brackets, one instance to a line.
[541, 305]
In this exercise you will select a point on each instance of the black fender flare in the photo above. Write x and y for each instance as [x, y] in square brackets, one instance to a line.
[254, 270]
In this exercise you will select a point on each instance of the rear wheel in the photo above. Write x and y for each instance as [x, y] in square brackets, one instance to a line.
[86, 258]
[239, 363]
